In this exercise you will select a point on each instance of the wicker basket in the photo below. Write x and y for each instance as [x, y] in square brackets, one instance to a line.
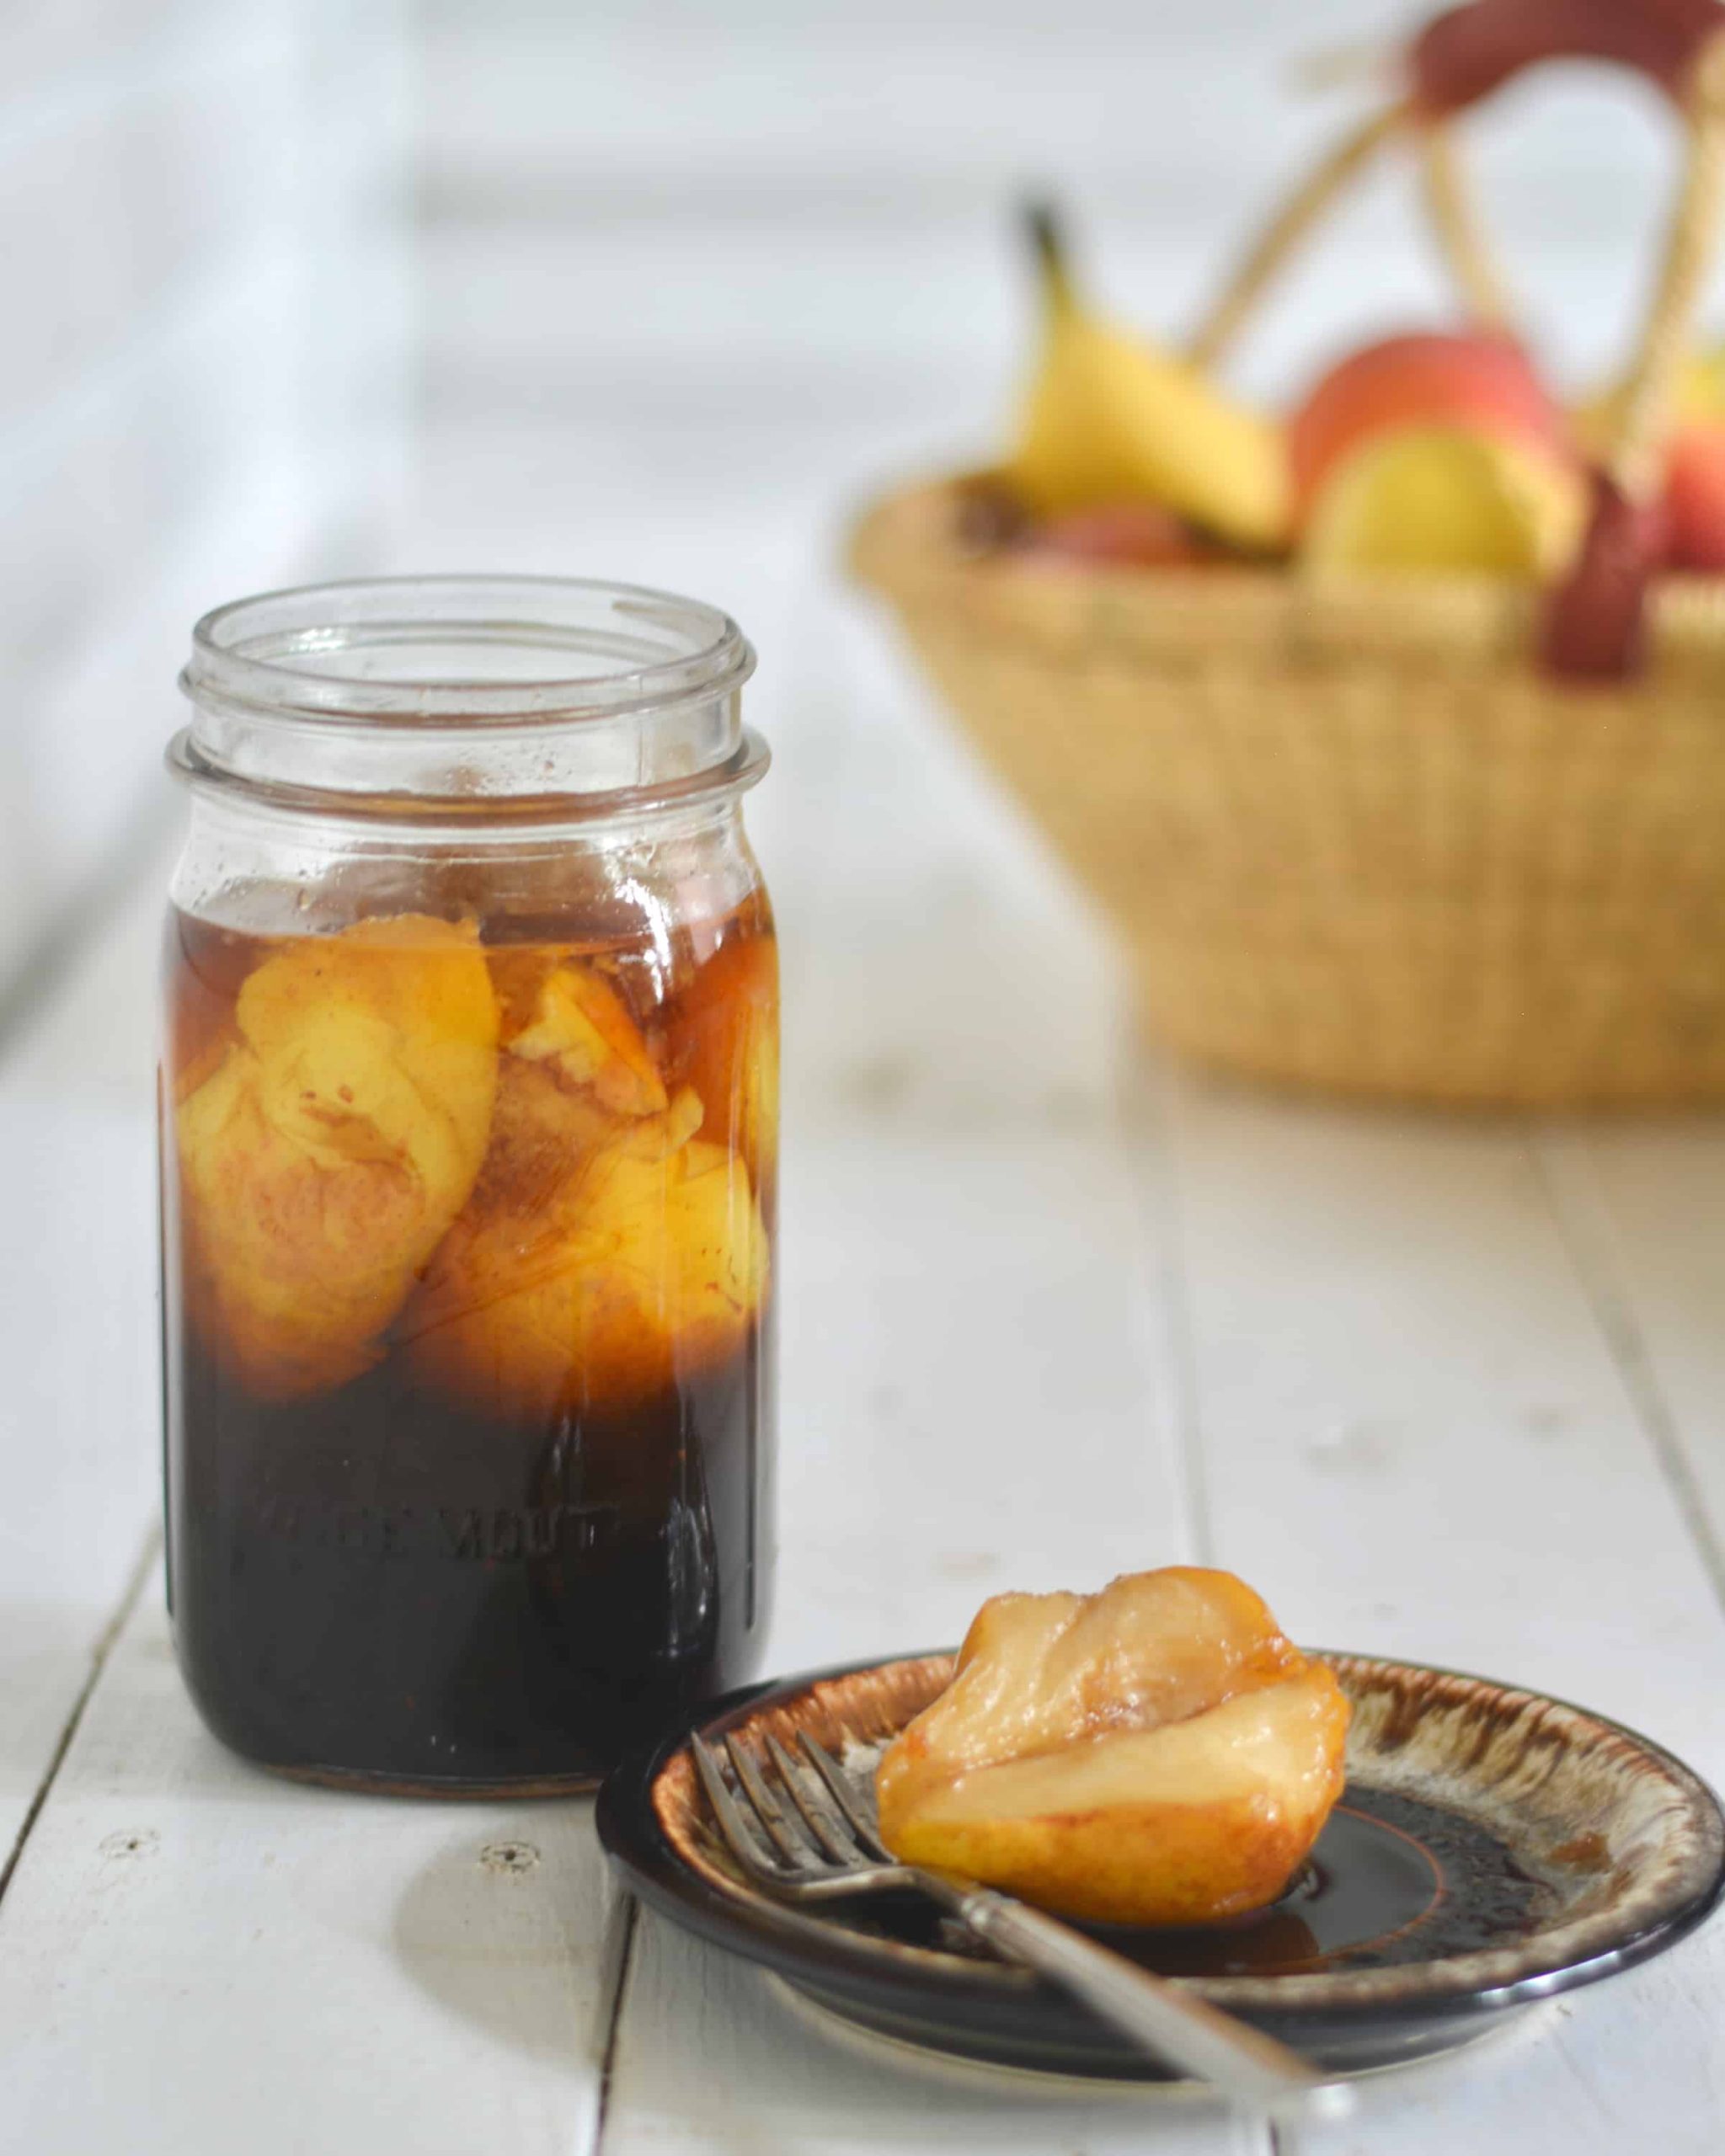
[1360, 837]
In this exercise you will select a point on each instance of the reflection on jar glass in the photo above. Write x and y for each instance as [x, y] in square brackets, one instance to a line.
[469, 1158]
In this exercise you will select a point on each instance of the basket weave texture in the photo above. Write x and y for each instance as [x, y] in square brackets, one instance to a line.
[1356, 840]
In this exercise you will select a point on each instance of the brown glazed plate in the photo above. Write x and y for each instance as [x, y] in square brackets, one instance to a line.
[1491, 1848]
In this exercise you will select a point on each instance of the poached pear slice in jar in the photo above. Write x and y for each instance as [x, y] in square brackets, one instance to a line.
[1158, 1753]
[726, 1022]
[606, 1251]
[334, 1141]
[581, 1027]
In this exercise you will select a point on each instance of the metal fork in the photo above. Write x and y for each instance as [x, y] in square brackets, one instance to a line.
[824, 1845]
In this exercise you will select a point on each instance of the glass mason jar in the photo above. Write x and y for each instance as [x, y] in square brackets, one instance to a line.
[469, 1108]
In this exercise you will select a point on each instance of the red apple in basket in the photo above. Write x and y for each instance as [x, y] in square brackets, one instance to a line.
[1695, 473]
[1695, 500]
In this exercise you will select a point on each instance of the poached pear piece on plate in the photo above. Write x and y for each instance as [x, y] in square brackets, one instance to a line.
[1159, 1752]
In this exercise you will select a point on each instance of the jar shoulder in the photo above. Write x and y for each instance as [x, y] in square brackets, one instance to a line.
[269, 877]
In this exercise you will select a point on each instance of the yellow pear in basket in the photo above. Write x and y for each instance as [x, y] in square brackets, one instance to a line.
[1441, 499]
[1156, 1754]
[1111, 420]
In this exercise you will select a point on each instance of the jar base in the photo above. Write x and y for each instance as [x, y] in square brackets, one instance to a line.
[360, 1782]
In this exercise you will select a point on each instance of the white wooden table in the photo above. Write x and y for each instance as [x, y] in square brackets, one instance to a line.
[1452, 1389]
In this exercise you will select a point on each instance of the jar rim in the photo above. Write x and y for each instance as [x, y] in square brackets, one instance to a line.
[258, 652]
[499, 698]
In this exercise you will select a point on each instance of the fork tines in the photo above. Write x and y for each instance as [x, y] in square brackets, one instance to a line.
[825, 1832]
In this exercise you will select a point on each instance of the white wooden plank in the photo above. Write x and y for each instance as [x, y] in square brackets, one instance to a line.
[79, 1422]
[710, 2056]
[1644, 1204]
[1399, 1374]
[970, 1395]
[1416, 1440]
[966, 1389]
[196, 1956]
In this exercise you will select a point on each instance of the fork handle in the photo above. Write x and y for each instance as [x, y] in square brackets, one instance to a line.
[1176, 2025]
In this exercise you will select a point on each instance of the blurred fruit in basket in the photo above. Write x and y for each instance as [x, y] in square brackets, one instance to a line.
[1479, 382]
[1111, 421]
[1694, 499]
[1693, 502]
[1438, 499]
[1130, 535]
[1440, 453]
[1436, 452]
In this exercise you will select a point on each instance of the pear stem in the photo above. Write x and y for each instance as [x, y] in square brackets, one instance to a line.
[1048, 246]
